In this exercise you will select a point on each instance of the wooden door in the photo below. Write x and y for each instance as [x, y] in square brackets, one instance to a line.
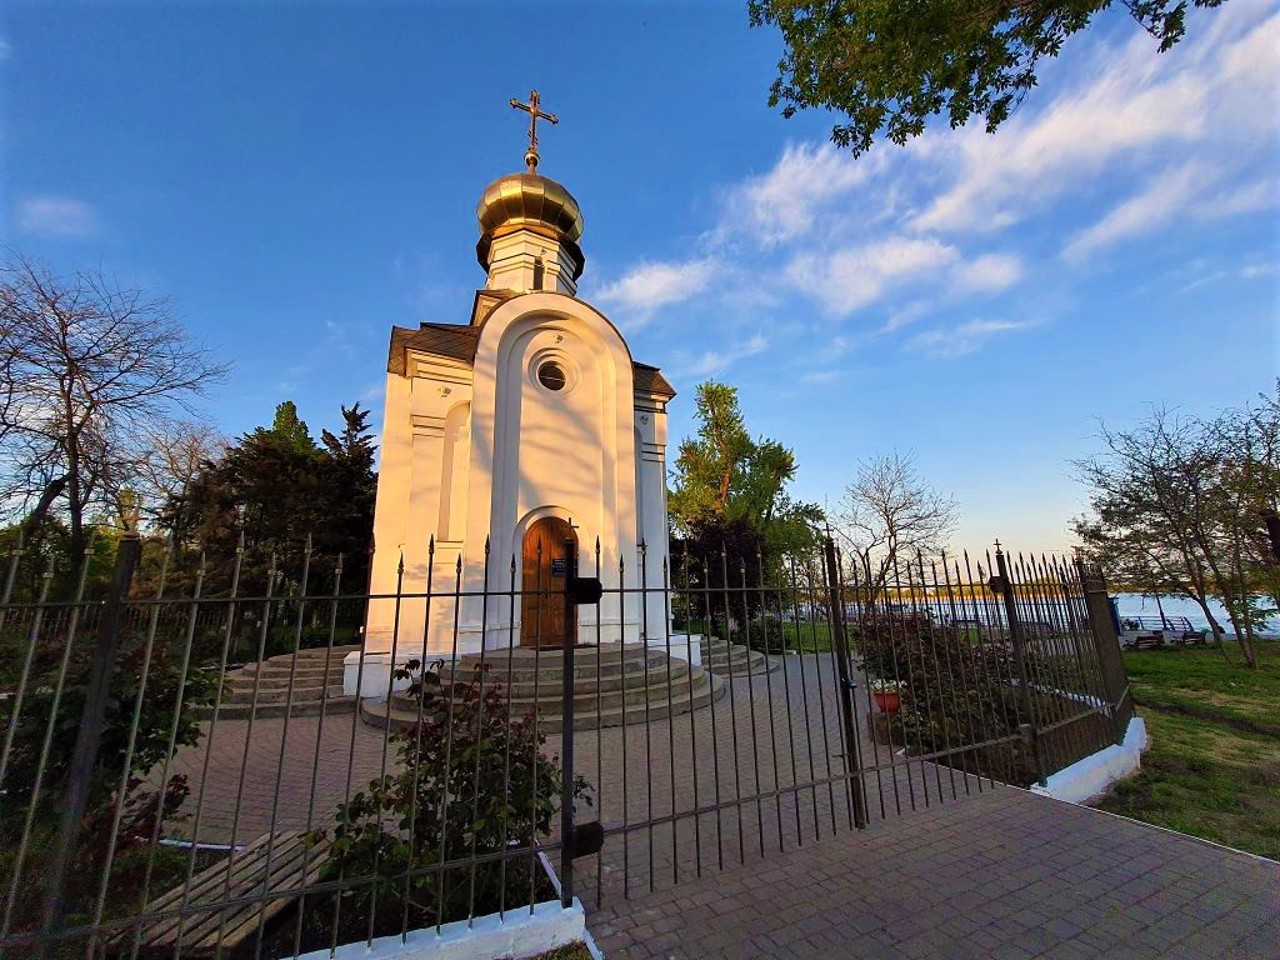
[546, 570]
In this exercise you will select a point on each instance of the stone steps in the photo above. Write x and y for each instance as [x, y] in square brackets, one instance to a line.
[734, 660]
[376, 713]
[621, 693]
[333, 706]
[263, 689]
[589, 685]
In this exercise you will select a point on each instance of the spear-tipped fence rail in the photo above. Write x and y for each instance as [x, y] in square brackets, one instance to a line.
[183, 768]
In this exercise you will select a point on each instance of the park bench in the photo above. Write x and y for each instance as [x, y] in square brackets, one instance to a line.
[209, 927]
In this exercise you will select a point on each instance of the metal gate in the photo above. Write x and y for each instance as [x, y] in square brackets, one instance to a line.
[846, 695]
[183, 770]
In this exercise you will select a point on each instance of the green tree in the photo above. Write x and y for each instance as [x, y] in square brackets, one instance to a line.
[287, 428]
[890, 67]
[1182, 506]
[730, 490]
[351, 487]
[279, 487]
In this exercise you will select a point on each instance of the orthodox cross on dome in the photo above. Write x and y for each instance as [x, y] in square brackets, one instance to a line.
[532, 108]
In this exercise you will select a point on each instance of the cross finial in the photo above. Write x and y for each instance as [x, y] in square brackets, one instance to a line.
[532, 108]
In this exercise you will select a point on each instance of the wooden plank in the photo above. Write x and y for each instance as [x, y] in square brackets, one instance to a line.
[248, 865]
[173, 897]
[302, 870]
[205, 934]
[260, 883]
[294, 864]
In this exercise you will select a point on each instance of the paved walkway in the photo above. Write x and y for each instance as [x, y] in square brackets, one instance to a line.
[1002, 874]
[951, 866]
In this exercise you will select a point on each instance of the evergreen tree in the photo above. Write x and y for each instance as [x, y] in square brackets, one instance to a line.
[729, 497]
[278, 486]
[288, 428]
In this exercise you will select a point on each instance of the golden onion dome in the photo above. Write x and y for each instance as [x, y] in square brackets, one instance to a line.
[528, 201]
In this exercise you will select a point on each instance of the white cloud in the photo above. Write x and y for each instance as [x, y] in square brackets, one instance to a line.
[821, 376]
[1156, 204]
[782, 204]
[988, 273]
[1202, 281]
[1133, 105]
[1255, 270]
[848, 279]
[904, 233]
[6, 49]
[55, 216]
[713, 361]
[1249, 198]
[646, 288]
[966, 338]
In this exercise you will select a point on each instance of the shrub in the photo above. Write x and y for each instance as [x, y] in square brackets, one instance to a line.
[151, 743]
[144, 808]
[766, 635]
[954, 692]
[472, 780]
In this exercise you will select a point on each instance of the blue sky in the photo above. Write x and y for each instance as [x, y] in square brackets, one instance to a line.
[298, 178]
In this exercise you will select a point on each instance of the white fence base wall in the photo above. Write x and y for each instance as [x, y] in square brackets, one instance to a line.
[1097, 773]
[520, 933]
[373, 678]
[681, 646]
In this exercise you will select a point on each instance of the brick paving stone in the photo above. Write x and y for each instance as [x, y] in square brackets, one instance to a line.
[984, 870]
[1183, 898]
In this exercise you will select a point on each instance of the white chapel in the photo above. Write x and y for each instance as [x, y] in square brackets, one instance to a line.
[528, 425]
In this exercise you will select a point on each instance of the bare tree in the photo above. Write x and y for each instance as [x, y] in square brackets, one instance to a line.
[175, 453]
[888, 513]
[1176, 508]
[89, 369]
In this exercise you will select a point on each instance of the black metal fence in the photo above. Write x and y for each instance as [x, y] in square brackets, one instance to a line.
[185, 768]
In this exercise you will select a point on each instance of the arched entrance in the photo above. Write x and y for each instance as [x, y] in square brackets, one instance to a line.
[548, 545]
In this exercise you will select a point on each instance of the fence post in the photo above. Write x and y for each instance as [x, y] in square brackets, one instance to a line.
[1002, 585]
[1106, 642]
[853, 760]
[567, 705]
[85, 755]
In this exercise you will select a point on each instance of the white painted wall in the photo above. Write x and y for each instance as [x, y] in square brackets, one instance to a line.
[1097, 773]
[519, 933]
[476, 452]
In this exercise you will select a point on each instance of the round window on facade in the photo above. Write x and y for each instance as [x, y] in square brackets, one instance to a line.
[551, 375]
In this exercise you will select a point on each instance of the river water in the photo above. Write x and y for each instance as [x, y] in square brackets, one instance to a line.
[1137, 605]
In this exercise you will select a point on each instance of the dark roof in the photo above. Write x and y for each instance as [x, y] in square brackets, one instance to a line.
[439, 339]
[650, 380]
[458, 342]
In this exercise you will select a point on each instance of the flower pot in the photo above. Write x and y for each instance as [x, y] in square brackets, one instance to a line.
[887, 702]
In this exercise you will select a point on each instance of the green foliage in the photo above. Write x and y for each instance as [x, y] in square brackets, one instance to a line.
[278, 486]
[890, 67]
[144, 807]
[953, 692]
[287, 428]
[710, 467]
[163, 683]
[473, 780]
[729, 491]
[765, 633]
[1213, 770]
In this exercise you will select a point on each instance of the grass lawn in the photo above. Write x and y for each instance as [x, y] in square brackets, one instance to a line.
[813, 636]
[809, 636]
[1213, 769]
